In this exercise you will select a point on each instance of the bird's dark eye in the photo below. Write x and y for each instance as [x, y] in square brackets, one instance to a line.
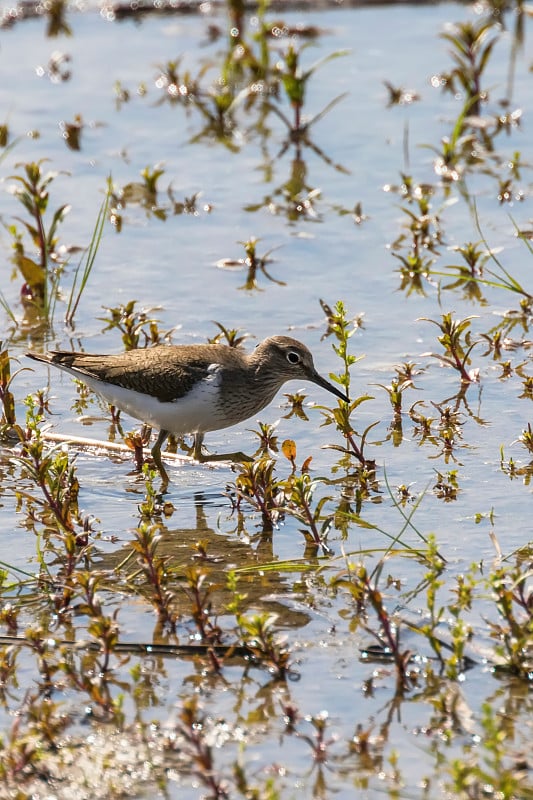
[293, 357]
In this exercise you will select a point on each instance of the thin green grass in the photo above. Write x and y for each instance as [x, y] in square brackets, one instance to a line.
[511, 283]
[87, 261]
[7, 309]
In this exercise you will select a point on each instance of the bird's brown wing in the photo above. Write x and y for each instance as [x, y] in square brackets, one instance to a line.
[167, 371]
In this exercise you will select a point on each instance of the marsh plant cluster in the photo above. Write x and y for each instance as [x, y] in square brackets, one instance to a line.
[155, 657]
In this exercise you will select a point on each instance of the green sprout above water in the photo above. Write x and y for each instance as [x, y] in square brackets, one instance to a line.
[138, 328]
[471, 47]
[456, 338]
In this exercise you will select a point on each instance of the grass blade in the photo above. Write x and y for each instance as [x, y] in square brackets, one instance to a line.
[87, 260]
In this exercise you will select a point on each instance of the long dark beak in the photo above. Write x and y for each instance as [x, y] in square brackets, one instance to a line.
[320, 381]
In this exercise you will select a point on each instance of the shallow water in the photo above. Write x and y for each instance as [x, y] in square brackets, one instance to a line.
[172, 264]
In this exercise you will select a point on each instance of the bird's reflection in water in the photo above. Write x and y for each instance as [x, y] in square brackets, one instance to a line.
[215, 554]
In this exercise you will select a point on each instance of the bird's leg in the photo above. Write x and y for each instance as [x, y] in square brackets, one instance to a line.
[202, 457]
[156, 455]
[197, 446]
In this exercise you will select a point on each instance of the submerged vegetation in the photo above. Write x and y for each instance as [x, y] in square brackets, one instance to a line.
[321, 619]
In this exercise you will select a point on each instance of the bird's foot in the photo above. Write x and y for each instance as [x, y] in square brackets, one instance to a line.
[203, 458]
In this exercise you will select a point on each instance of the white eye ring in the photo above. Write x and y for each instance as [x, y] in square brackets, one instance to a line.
[293, 357]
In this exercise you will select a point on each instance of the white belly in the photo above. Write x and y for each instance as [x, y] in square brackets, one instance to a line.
[197, 412]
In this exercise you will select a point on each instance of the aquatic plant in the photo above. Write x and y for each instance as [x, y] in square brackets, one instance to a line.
[138, 328]
[457, 341]
[253, 263]
[41, 276]
[294, 81]
[471, 47]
